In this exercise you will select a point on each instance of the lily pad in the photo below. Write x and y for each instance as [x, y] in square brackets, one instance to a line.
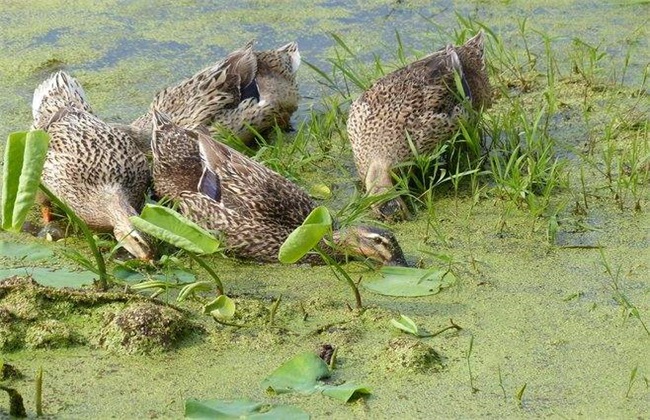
[345, 392]
[306, 236]
[170, 226]
[27, 252]
[241, 409]
[299, 374]
[409, 282]
[303, 373]
[133, 277]
[53, 278]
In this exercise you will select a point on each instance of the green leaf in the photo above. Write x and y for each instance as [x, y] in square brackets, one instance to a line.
[345, 392]
[25, 154]
[26, 252]
[306, 236]
[302, 374]
[51, 277]
[406, 324]
[299, 374]
[197, 286]
[130, 276]
[409, 282]
[222, 307]
[241, 409]
[153, 284]
[168, 225]
[13, 165]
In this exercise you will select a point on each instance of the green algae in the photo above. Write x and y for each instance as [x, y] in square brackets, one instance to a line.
[548, 315]
[34, 317]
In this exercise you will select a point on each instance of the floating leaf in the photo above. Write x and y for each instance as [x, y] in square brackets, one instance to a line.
[222, 307]
[27, 252]
[306, 236]
[130, 276]
[406, 324]
[302, 374]
[299, 374]
[345, 392]
[241, 409]
[23, 163]
[168, 225]
[409, 282]
[50, 277]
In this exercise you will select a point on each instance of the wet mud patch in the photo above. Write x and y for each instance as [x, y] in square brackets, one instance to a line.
[40, 317]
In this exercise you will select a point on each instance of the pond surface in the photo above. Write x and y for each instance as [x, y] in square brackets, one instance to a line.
[556, 319]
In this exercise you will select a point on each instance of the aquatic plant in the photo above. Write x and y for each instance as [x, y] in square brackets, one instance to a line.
[23, 163]
[168, 225]
[212, 409]
[303, 374]
[306, 238]
[629, 309]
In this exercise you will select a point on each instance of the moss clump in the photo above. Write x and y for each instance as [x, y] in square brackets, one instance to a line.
[143, 328]
[35, 316]
[10, 334]
[8, 372]
[50, 333]
[412, 355]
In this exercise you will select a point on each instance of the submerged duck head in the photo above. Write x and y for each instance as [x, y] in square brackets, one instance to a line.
[370, 242]
[472, 58]
[134, 242]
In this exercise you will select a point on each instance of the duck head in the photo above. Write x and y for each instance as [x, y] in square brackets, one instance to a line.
[472, 57]
[133, 241]
[370, 242]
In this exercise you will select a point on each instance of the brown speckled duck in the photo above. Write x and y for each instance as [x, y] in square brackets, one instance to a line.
[420, 99]
[258, 89]
[96, 170]
[254, 208]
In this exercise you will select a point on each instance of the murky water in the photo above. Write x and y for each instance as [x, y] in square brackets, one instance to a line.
[547, 317]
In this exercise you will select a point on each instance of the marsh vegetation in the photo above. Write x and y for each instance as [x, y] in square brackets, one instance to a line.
[534, 221]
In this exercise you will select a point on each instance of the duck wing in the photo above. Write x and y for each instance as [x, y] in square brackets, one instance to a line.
[263, 192]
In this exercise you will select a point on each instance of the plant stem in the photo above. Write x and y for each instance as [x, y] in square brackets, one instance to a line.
[99, 258]
[338, 272]
[39, 392]
[230, 324]
[210, 271]
[452, 326]
[469, 366]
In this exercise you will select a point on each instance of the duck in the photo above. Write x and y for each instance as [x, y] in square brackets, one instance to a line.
[252, 208]
[258, 92]
[96, 170]
[420, 102]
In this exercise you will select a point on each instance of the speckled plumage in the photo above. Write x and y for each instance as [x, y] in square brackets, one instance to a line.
[420, 99]
[94, 169]
[247, 88]
[254, 208]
